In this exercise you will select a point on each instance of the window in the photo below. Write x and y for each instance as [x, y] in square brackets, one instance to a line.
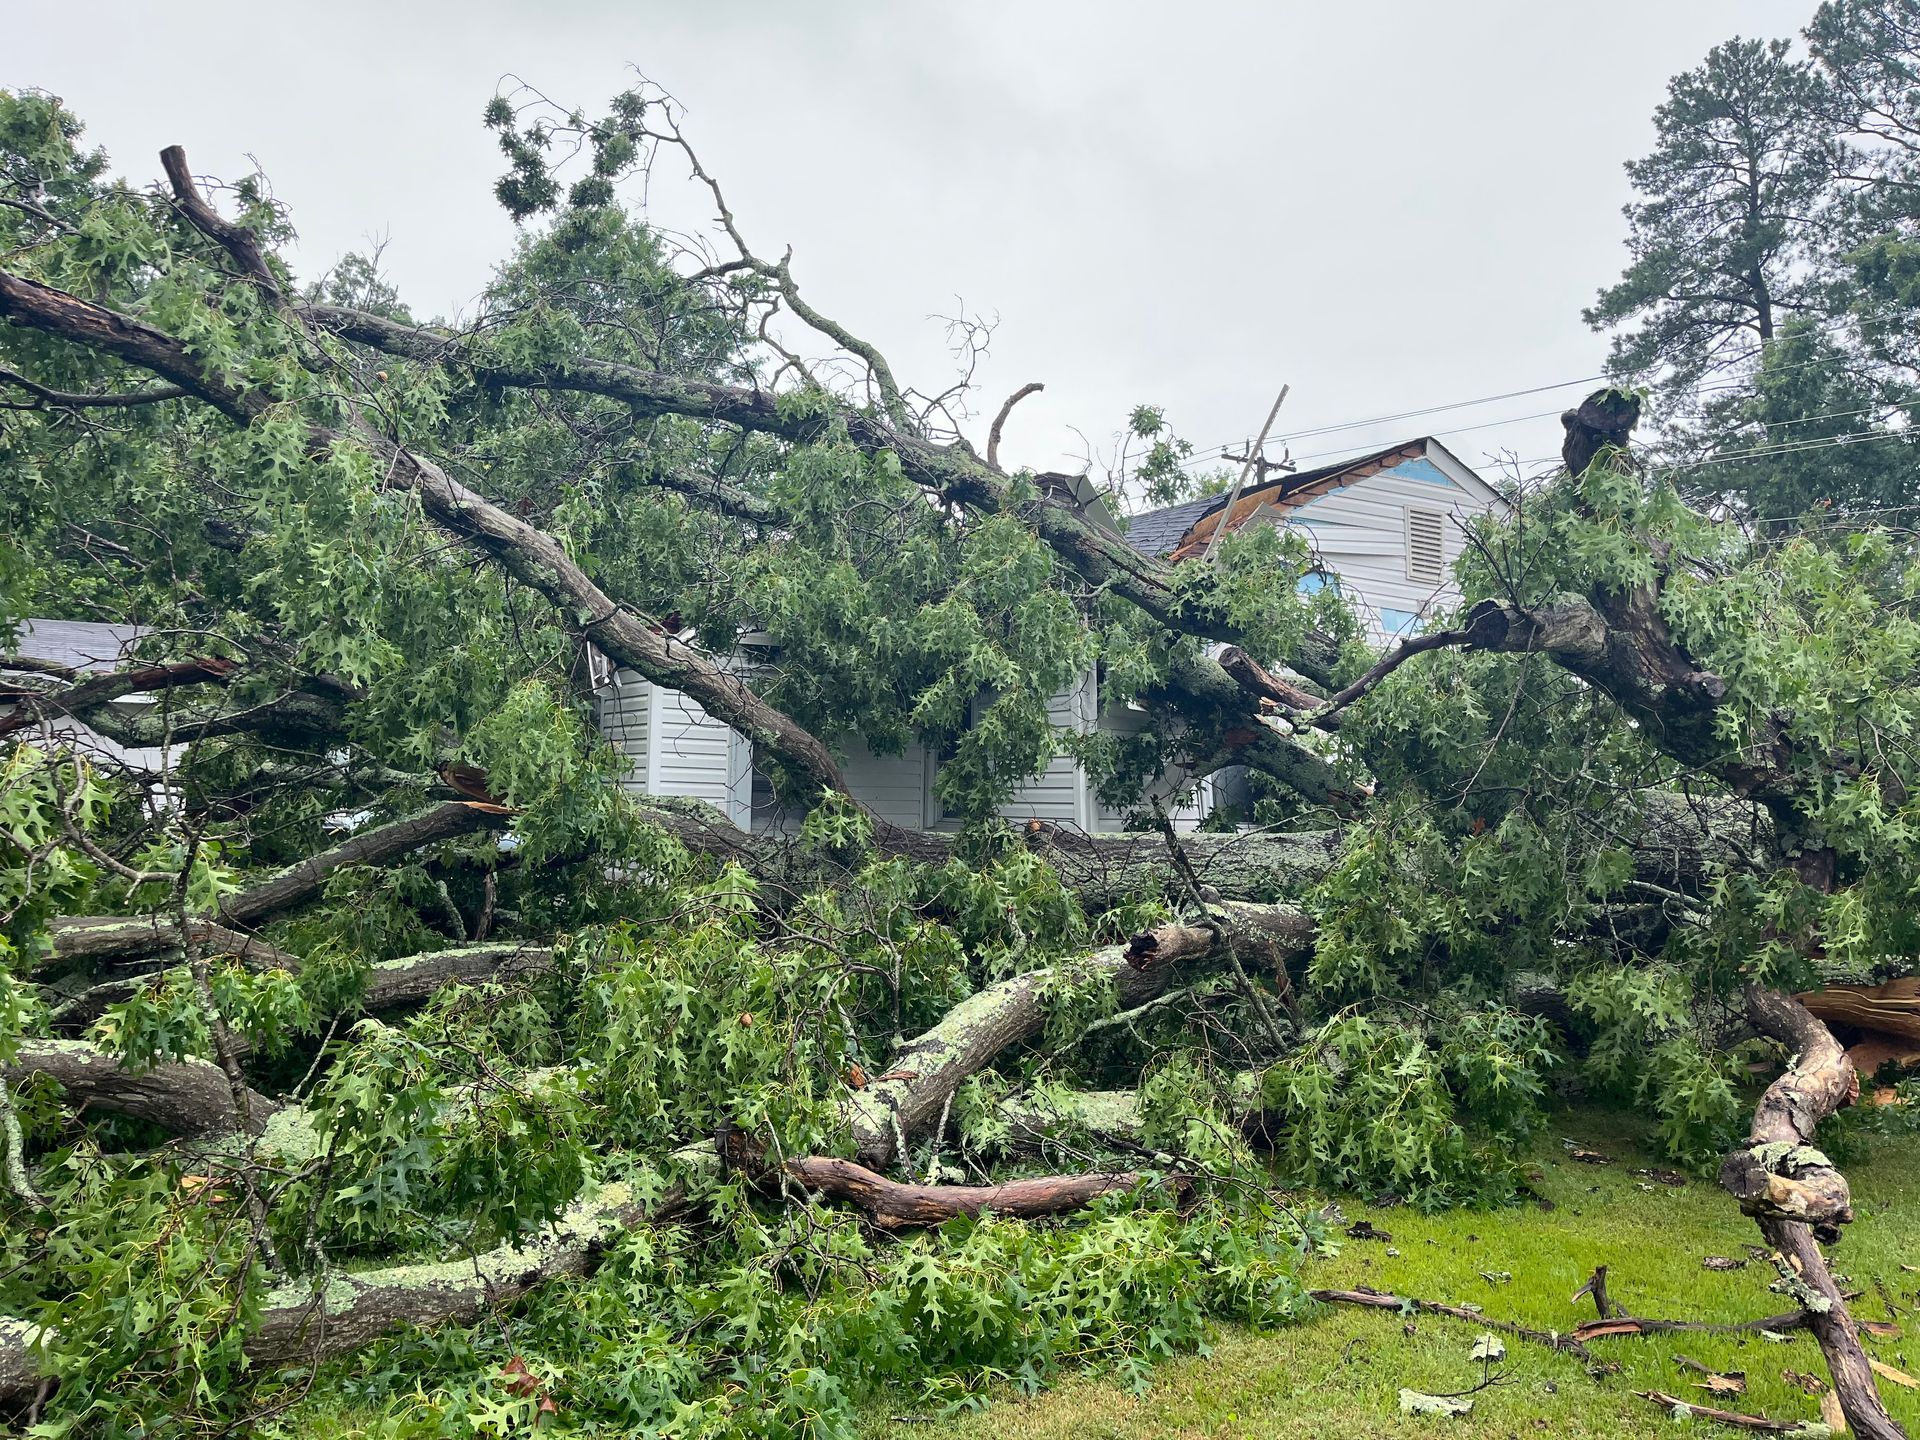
[1398, 624]
[1426, 547]
[1314, 581]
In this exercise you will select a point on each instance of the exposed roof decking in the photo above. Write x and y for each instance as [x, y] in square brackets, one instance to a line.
[1177, 532]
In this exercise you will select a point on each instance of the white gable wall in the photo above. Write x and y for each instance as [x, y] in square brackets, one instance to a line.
[1360, 533]
[894, 787]
[1059, 793]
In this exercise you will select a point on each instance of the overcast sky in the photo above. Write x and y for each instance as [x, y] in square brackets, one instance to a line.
[1388, 204]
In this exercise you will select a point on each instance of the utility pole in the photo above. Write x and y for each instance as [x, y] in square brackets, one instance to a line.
[1251, 458]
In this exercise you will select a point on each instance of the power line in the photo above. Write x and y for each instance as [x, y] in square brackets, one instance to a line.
[1215, 453]
[1765, 452]
[1218, 452]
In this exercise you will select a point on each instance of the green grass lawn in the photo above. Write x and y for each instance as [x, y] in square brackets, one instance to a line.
[1338, 1373]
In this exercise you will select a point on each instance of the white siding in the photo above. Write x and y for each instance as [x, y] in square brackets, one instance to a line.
[692, 754]
[1058, 793]
[677, 747]
[894, 787]
[622, 709]
[1360, 533]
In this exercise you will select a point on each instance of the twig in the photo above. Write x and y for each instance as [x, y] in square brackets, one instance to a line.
[44, 398]
[1183, 867]
[1381, 668]
[1635, 1325]
[1377, 1300]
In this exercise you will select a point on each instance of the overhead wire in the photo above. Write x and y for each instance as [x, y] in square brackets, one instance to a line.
[1214, 453]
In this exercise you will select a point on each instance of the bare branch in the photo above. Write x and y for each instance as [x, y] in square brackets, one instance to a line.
[46, 399]
[1000, 420]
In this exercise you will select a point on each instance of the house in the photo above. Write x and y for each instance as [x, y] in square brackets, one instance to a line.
[1385, 527]
[86, 647]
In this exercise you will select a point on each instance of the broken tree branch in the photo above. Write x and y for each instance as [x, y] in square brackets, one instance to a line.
[892, 1205]
[888, 1113]
[1000, 420]
[190, 1098]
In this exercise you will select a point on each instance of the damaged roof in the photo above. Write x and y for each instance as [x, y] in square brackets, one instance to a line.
[1179, 530]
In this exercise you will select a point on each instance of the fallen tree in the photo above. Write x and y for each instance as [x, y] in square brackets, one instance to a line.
[1644, 761]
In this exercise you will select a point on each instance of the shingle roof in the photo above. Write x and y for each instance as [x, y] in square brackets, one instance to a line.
[1158, 531]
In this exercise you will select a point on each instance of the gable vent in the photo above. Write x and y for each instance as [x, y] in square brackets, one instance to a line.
[1426, 547]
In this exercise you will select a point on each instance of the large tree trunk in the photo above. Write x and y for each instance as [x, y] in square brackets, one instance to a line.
[337, 1311]
[1795, 1195]
[190, 1098]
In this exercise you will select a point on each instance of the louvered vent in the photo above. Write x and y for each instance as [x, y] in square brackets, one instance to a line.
[1426, 547]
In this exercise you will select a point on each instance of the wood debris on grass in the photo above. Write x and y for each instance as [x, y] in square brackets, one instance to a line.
[1717, 1382]
[1685, 1409]
[1674, 1178]
[1898, 1377]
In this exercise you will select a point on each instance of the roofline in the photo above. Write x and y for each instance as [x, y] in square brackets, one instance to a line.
[1259, 497]
[1465, 476]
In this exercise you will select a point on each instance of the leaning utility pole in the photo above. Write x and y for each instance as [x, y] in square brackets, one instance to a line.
[1253, 456]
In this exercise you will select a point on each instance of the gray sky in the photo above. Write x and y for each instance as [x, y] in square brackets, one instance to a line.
[1390, 204]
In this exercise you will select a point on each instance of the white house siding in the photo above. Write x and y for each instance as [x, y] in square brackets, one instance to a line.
[1059, 792]
[622, 709]
[894, 787]
[1360, 532]
[96, 649]
[1191, 800]
[677, 747]
[695, 755]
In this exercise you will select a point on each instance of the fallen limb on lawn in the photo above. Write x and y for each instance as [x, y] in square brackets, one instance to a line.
[894, 1205]
[1678, 1407]
[1377, 1300]
[1633, 1325]
[335, 1311]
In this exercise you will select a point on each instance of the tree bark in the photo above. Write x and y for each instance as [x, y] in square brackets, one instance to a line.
[414, 978]
[98, 937]
[299, 883]
[929, 1068]
[407, 980]
[338, 1311]
[189, 1098]
[1790, 1190]
[892, 1205]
